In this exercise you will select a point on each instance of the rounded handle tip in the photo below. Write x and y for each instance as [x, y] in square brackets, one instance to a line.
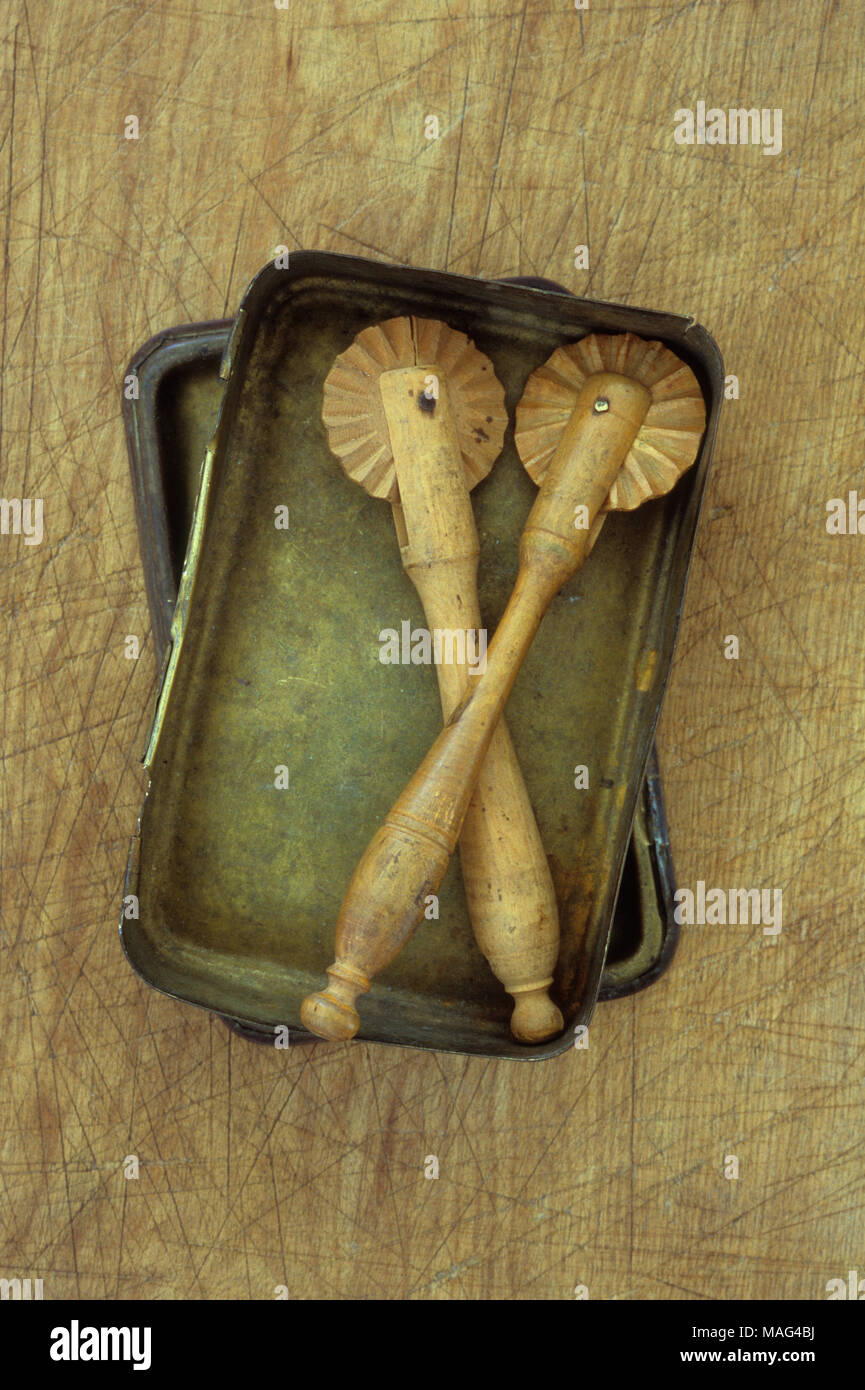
[535, 1017]
[328, 1017]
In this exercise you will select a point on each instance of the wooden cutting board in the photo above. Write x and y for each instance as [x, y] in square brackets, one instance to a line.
[367, 1171]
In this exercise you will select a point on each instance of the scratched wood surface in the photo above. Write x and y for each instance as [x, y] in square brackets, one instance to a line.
[306, 126]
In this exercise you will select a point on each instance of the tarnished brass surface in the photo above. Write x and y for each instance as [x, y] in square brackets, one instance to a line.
[238, 882]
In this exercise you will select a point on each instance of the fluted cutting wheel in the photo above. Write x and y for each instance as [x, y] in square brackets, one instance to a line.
[670, 435]
[354, 417]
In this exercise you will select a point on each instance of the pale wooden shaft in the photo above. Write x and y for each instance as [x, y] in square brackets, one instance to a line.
[509, 888]
[407, 857]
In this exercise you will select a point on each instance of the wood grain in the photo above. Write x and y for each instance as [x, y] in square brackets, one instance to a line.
[261, 127]
[507, 880]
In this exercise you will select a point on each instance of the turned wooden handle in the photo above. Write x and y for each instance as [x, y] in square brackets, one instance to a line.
[510, 892]
[407, 857]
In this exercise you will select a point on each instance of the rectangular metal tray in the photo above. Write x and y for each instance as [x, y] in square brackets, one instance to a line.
[170, 420]
[238, 890]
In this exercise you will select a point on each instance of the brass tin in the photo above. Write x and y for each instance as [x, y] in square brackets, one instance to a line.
[169, 424]
[276, 662]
